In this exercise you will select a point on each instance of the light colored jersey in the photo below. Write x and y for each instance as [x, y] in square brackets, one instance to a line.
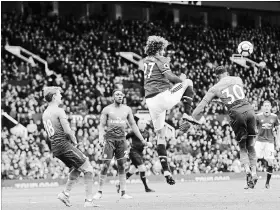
[265, 126]
[229, 90]
[154, 80]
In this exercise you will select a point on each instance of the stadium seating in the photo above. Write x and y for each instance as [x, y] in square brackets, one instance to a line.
[85, 51]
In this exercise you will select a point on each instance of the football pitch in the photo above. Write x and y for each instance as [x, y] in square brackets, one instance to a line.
[228, 195]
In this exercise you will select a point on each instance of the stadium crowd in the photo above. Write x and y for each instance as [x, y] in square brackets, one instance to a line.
[84, 55]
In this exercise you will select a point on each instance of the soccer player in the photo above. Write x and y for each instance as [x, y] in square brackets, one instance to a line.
[63, 146]
[161, 96]
[230, 91]
[115, 116]
[266, 122]
[136, 155]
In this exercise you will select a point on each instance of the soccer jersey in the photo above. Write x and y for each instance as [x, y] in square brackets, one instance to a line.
[231, 93]
[116, 122]
[154, 80]
[52, 122]
[265, 124]
[136, 143]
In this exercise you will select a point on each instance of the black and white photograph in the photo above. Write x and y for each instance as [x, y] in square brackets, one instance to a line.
[140, 105]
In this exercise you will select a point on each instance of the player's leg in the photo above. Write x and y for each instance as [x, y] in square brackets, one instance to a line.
[269, 157]
[162, 153]
[157, 108]
[131, 171]
[182, 92]
[239, 127]
[87, 169]
[72, 179]
[136, 158]
[107, 155]
[251, 139]
[121, 156]
[142, 171]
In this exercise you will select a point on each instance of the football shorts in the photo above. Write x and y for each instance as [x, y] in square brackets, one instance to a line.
[73, 158]
[264, 150]
[166, 100]
[115, 148]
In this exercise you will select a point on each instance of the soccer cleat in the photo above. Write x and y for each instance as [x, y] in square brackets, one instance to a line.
[190, 119]
[249, 179]
[97, 196]
[267, 186]
[118, 186]
[255, 179]
[64, 198]
[126, 196]
[169, 179]
[149, 190]
[90, 203]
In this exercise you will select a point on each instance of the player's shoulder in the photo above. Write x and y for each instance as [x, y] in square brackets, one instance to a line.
[127, 108]
[274, 116]
[162, 59]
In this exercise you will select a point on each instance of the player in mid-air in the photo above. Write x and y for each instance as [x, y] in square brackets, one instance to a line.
[136, 154]
[63, 146]
[230, 91]
[162, 96]
[266, 122]
[115, 116]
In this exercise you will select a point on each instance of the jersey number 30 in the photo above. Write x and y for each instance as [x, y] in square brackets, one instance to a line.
[49, 127]
[234, 93]
[148, 67]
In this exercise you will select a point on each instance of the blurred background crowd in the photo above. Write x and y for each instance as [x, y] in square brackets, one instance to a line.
[84, 55]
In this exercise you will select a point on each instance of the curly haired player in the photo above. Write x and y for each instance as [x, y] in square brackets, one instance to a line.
[161, 96]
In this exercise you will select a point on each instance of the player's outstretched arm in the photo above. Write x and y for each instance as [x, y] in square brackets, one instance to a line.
[197, 113]
[134, 127]
[103, 121]
[66, 127]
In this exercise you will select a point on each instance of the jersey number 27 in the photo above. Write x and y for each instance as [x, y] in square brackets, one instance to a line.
[49, 127]
[234, 93]
[148, 68]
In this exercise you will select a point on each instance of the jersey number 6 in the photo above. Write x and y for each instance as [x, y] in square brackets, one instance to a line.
[49, 127]
[151, 66]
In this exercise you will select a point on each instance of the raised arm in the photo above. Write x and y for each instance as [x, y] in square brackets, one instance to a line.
[66, 127]
[197, 113]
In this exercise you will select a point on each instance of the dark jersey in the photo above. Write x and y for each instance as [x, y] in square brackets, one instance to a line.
[136, 143]
[154, 80]
[116, 121]
[52, 122]
[265, 127]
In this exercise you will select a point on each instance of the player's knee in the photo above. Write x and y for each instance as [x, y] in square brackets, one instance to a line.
[132, 169]
[142, 168]
[87, 167]
[121, 168]
[269, 162]
[104, 167]
[187, 83]
[74, 174]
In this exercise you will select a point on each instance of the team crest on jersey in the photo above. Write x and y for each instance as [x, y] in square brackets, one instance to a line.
[166, 65]
[105, 156]
[271, 120]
